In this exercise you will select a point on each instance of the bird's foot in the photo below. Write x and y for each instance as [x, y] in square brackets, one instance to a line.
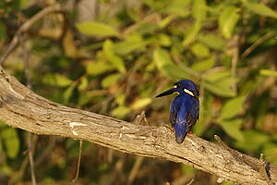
[168, 127]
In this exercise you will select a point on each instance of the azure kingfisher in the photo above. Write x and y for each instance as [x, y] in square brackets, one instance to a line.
[184, 109]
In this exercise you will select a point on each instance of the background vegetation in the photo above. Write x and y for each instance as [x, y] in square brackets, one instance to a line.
[113, 56]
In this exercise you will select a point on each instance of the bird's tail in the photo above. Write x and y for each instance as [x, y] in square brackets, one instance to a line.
[180, 132]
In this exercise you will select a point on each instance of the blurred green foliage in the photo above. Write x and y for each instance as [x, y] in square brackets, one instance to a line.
[114, 58]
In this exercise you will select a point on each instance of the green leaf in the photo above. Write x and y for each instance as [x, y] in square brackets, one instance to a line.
[140, 103]
[228, 20]
[223, 87]
[120, 99]
[166, 66]
[253, 140]
[164, 40]
[227, 183]
[212, 40]
[200, 50]
[232, 108]
[220, 83]
[6, 170]
[121, 111]
[3, 124]
[3, 31]
[188, 169]
[267, 72]
[62, 81]
[260, 9]
[92, 28]
[68, 93]
[145, 28]
[232, 128]
[205, 114]
[56, 80]
[99, 67]
[110, 80]
[83, 84]
[191, 36]
[199, 9]
[203, 65]
[199, 14]
[23, 3]
[155, 5]
[1, 147]
[132, 43]
[270, 152]
[164, 22]
[214, 76]
[85, 98]
[115, 60]
[11, 142]
[178, 7]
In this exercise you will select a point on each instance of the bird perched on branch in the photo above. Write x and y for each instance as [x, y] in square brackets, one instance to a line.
[184, 109]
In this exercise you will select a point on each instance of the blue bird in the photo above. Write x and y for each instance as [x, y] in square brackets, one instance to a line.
[184, 109]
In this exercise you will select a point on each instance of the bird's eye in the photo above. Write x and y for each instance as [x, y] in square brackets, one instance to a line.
[188, 92]
[175, 86]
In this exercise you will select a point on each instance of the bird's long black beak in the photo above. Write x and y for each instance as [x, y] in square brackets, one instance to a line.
[168, 92]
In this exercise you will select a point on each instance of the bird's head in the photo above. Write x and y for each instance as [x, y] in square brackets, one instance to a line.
[182, 87]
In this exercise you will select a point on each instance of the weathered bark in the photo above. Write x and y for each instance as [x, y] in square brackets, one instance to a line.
[21, 108]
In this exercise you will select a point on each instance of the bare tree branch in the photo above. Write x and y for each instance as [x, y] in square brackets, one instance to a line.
[31, 159]
[21, 108]
[25, 27]
[30, 143]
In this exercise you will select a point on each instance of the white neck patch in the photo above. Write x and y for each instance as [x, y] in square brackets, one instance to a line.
[188, 92]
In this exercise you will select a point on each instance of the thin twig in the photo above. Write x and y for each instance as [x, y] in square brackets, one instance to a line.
[19, 174]
[26, 56]
[31, 159]
[218, 139]
[264, 170]
[152, 18]
[79, 162]
[25, 27]
[235, 59]
[141, 119]
[26, 59]
[116, 176]
[185, 179]
[46, 151]
[190, 182]
[135, 169]
[257, 43]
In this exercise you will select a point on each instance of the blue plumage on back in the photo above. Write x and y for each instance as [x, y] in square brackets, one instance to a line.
[184, 109]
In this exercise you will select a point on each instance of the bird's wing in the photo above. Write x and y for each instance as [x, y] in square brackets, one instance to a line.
[179, 121]
[172, 117]
[183, 112]
[178, 111]
[174, 110]
[192, 116]
[190, 120]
